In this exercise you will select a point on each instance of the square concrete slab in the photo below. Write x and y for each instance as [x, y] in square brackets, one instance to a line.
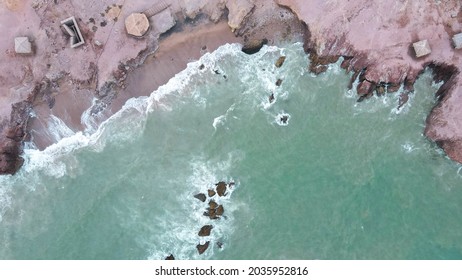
[457, 40]
[421, 48]
[22, 45]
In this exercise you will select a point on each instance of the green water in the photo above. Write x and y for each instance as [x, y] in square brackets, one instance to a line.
[341, 180]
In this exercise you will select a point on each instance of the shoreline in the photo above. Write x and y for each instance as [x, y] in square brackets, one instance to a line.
[106, 82]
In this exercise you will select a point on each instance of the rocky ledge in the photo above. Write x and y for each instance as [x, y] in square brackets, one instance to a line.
[375, 39]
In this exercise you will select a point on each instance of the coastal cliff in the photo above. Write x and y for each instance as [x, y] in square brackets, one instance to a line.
[374, 38]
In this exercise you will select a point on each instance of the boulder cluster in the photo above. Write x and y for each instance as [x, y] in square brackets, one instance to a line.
[213, 210]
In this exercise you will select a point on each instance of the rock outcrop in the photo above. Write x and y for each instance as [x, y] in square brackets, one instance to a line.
[383, 59]
[11, 137]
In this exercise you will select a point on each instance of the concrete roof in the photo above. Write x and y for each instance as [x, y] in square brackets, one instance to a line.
[421, 48]
[22, 45]
[457, 40]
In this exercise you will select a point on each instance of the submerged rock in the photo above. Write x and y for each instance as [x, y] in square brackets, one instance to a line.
[201, 197]
[278, 82]
[221, 188]
[205, 230]
[280, 61]
[253, 46]
[201, 248]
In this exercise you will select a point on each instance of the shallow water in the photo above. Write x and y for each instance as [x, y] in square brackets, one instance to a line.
[338, 180]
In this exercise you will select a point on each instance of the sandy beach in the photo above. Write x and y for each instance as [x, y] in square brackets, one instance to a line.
[111, 67]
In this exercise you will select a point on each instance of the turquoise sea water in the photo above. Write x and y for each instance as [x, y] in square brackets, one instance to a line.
[339, 180]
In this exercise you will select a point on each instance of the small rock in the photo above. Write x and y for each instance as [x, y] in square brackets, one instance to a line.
[253, 46]
[205, 230]
[271, 98]
[364, 88]
[201, 67]
[213, 204]
[220, 210]
[219, 244]
[202, 248]
[211, 192]
[280, 61]
[380, 89]
[403, 98]
[284, 119]
[278, 82]
[231, 184]
[221, 188]
[393, 87]
[170, 258]
[201, 197]
[211, 213]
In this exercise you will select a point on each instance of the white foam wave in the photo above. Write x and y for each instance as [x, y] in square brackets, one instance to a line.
[282, 119]
[58, 129]
[220, 120]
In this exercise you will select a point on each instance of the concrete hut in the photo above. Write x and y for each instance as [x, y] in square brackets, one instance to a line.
[421, 48]
[22, 45]
[457, 41]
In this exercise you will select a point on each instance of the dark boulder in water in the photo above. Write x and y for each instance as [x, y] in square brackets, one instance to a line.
[403, 98]
[211, 192]
[201, 197]
[284, 119]
[279, 82]
[271, 98]
[280, 61]
[211, 213]
[220, 210]
[170, 258]
[221, 188]
[205, 230]
[213, 204]
[253, 46]
[219, 244]
[202, 248]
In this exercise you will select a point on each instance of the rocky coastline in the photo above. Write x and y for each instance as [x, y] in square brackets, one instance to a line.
[374, 39]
